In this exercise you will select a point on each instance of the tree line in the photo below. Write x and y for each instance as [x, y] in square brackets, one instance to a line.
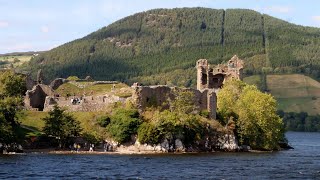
[163, 40]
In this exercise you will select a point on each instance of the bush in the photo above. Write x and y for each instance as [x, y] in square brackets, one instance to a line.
[204, 113]
[16, 60]
[92, 137]
[123, 124]
[148, 134]
[103, 121]
[171, 126]
[254, 114]
[73, 78]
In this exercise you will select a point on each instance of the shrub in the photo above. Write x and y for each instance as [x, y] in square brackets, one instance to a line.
[123, 124]
[73, 78]
[103, 121]
[204, 113]
[148, 133]
[92, 137]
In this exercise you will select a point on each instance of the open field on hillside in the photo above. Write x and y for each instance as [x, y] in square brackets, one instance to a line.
[15, 60]
[294, 92]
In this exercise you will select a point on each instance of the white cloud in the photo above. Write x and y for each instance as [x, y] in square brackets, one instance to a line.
[4, 24]
[316, 18]
[44, 29]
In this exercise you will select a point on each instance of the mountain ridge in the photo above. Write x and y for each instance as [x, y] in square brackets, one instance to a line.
[161, 41]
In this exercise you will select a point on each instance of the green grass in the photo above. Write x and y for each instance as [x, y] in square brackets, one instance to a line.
[97, 89]
[34, 120]
[293, 86]
[294, 92]
[252, 80]
[10, 59]
[302, 104]
[68, 89]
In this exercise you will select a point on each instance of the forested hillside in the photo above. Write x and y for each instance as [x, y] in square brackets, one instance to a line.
[162, 46]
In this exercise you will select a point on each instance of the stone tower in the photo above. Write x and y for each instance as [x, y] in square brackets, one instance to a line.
[202, 74]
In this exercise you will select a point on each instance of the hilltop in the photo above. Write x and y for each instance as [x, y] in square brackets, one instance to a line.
[161, 45]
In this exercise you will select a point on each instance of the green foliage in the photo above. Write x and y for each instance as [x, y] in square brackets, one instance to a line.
[6, 131]
[171, 126]
[254, 113]
[228, 97]
[123, 124]
[148, 134]
[61, 125]
[16, 60]
[300, 121]
[204, 113]
[11, 86]
[73, 78]
[183, 102]
[92, 137]
[162, 45]
[258, 124]
[103, 121]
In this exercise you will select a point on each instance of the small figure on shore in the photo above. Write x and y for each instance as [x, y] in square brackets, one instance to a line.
[74, 147]
[78, 147]
[91, 147]
[106, 146]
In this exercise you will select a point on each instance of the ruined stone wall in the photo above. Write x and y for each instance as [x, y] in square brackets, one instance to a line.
[36, 97]
[213, 77]
[158, 96]
[84, 104]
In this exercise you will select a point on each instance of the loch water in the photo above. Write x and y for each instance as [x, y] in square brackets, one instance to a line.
[303, 162]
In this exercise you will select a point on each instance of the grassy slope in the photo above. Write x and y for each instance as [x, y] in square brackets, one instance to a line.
[34, 120]
[21, 58]
[294, 92]
[98, 89]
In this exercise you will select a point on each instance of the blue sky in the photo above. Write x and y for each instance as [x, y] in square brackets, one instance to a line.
[32, 25]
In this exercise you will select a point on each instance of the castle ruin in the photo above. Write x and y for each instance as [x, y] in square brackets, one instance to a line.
[209, 77]
[209, 80]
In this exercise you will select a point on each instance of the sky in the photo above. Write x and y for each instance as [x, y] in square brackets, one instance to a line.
[34, 25]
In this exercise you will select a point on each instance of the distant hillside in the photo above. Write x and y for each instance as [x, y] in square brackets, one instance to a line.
[294, 92]
[162, 46]
[28, 53]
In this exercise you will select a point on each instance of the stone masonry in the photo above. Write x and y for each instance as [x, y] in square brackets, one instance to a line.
[214, 77]
[158, 96]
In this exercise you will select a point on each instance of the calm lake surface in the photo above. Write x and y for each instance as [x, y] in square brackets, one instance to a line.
[303, 162]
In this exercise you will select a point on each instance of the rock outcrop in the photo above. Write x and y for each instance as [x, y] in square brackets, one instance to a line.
[223, 142]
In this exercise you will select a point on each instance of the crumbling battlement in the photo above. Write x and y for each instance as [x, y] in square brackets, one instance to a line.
[214, 77]
[148, 96]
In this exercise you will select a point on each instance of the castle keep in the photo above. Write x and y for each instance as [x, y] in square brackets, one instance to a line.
[209, 80]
